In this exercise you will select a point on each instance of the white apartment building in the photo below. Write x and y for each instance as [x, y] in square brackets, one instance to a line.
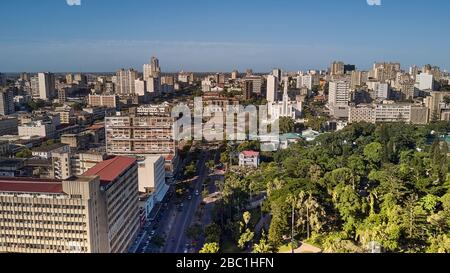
[46, 86]
[272, 89]
[339, 93]
[125, 81]
[140, 87]
[425, 81]
[379, 113]
[152, 177]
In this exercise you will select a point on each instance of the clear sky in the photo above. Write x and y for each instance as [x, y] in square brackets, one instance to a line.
[220, 35]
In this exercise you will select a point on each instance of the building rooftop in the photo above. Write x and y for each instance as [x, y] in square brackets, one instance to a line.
[109, 170]
[250, 153]
[49, 148]
[27, 185]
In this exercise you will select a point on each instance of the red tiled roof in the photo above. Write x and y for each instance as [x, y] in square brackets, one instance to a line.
[110, 169]
[30, 185]
[250, 153]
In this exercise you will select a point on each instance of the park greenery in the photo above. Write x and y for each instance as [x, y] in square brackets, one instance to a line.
[387, 184]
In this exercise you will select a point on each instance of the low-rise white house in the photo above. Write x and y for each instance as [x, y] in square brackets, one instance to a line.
[249, 159]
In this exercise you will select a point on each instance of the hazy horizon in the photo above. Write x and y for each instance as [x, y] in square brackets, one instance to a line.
[204, 35]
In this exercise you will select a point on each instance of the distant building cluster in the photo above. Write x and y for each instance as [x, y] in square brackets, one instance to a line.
[85, 158]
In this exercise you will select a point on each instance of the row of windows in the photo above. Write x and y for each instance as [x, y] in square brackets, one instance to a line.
[42, 238]
[43, 247]
[49, 206]
[43, 223]
[42, 214]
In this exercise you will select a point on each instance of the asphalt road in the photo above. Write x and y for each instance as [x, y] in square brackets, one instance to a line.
[176, 239]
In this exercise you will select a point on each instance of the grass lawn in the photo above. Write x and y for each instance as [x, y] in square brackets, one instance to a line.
[285, 249]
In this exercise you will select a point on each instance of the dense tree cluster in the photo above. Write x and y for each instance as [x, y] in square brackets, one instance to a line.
[387, 184]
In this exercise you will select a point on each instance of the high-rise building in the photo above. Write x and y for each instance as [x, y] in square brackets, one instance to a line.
[126, 81]
[272, 88]
[152, 70]
[356, 79]
[337, 68]
[349, 68]
[34, 87]
[95, 213]
[383, 72]
[46, 86]
[425, 81]
[339, 97]
[6, 102]
[140, 135]
[277, 73]
[248, 89]
[339, 93]
[256, 83]
[140, 87]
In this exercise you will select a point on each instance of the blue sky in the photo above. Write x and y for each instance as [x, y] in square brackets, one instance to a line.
[219, 35]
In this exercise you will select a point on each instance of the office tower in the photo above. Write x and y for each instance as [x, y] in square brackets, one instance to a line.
[234, 75]
[46, 86]
[425, 81]
[272, 88]
[126, 81]
[339, 93]
[277, 73]
[119, 179]
[95, 213]
[6, 102]
[337, 68]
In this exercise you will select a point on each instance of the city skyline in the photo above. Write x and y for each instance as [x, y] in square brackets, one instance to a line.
[200, 36]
